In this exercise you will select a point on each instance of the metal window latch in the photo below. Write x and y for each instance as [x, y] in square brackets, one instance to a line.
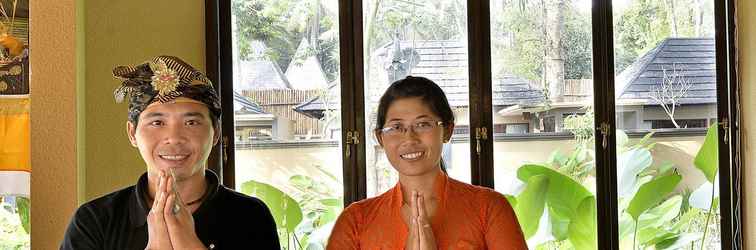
[605, 130]
[481, 133]
[725, 125]
[352, 138]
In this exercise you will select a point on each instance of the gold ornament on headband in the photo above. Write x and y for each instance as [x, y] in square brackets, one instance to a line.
[164, 80]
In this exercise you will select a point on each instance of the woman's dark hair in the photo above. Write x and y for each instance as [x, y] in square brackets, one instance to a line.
[412, 86]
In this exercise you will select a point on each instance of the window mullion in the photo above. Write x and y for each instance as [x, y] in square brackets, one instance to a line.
[606, 159]
[219, 70]
[481, 118]
[352, 100]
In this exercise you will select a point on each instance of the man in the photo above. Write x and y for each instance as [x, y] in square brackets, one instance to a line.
[177, 203]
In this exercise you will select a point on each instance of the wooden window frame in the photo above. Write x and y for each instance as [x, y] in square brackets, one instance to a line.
[219, 70]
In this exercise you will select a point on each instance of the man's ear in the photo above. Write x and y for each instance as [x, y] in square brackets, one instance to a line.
[216, 133]
[377, 134]
[131, 132]
[448, 132]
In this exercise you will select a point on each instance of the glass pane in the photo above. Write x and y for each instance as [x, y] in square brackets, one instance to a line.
[541, 54]
[425, 38]
[14, 222]
[287, 114]
[666, 99]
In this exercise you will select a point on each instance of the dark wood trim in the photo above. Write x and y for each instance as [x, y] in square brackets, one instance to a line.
[735, 133]
[604, 107]
[352, 99]
[212, 69]
[479, 52]
[226, 84]
[729, 136]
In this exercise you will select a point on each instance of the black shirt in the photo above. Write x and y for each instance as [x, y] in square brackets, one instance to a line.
[226, 219]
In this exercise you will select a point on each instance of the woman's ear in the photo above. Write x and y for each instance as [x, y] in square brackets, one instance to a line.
[377, 134]
[131, 132]
[448, 132]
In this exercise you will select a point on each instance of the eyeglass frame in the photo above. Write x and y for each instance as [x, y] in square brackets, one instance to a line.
[404, 130]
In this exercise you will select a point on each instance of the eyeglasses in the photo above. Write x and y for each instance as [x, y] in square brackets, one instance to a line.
[421, 127]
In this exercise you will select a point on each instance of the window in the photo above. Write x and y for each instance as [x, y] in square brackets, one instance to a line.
[548, 124]
[461, 130]
[534, 76]
[516, 128]
[664, 57]
[684, 123]
[285, 57]
[546, 74]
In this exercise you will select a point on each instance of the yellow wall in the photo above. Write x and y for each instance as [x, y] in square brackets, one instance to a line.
[66, 97]
[121, 33]
[53, 119]
[747, 50]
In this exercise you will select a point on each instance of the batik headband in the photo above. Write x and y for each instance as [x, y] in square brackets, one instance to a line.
[163, 79]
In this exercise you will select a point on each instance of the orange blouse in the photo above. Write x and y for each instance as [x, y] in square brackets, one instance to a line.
[467, 217]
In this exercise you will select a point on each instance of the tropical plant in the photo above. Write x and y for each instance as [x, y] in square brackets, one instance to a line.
[304, 216]
[556, 211]
[285, 210]
[322, 208]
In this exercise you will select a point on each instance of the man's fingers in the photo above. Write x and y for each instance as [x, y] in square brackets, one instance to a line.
[159, 203]
[170, 207]
[158, 209]
[157, 192]
[169, 185]
[179, 202]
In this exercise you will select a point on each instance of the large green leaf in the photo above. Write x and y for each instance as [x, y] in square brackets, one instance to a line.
[560, 222]
[332, 202]
[285, 210]
[679, 242]
[582, 229]
[652, 193]
[23, 205]
[530, 204]
[629, 165]
[626, 225]
[662, 214]
[332, 210]
[563, 196]
[511, 199]
[707, 159]
[300, 180]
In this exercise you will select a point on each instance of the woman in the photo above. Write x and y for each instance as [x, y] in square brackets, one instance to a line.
[426, 209]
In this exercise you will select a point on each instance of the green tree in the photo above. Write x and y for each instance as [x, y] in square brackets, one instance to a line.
[522, 37]
[282, 24]
[646, 23]
[639, 29]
